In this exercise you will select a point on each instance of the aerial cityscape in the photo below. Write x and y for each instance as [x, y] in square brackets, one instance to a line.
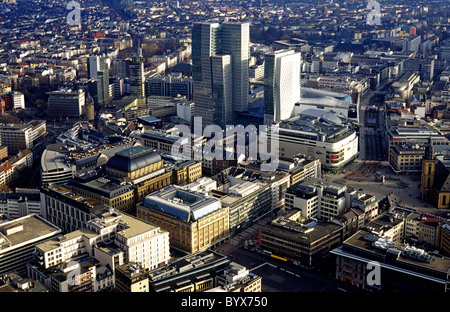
[224, 146]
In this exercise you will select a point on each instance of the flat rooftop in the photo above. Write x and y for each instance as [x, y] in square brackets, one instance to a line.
[25, 230]
[52, 161]
[129, 226]
[134, 151]
[361, 242]
[308, 231]
[182, 203]
[190, 263]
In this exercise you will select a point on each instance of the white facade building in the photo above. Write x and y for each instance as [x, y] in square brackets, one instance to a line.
[281, 85]
[18, 100]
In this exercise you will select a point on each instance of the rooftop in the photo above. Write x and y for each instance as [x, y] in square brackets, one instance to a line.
[182, 203]
[133, 158]
[25, 230]
[363, 242]
[296, 227]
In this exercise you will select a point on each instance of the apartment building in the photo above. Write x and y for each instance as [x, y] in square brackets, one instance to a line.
[317, 198]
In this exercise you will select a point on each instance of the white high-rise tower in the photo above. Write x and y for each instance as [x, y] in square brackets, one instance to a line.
[281, 85]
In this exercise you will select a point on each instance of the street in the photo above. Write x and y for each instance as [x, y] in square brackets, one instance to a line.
[279, 276]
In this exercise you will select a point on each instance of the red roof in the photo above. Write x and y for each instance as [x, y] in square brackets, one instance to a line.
[6, 166]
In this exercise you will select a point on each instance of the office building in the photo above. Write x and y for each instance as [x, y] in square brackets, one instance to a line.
[407, 145]
[220, 61]
[246, 202]
[130, 277]
[20, 203]
[137, 78]
[402, 268]
[66, 103]
[138, 241]
[236, 41]
[172, 85]
[192, 273]
[67, 210]
[301, 168]
[107, 191]
[335, 145]
[277, 181]
[19, 137]
[195, 221]
[121, 69]
[237, 278]
[99, 88]
[18, 239]
[55, 167]
[303, 240]
[281, 85]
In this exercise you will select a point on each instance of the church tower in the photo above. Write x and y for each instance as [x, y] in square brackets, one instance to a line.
[428, 170]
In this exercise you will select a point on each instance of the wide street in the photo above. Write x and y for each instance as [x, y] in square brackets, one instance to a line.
[279, 276]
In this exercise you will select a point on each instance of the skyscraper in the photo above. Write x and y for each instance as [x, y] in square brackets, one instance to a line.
[137, 78]
[98, 69]
[236, 41]
[220, 60]
[281, 85]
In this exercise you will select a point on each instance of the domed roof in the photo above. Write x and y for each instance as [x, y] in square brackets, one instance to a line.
[133, 158]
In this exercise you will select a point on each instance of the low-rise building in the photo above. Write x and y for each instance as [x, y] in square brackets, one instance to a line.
[109, 192]
[300, 239]
[113, 238]
[130, 277]
[317, 198]
[375, 263]
[67, 210]
[237, 278]
[20, 203]
[195, 221]
[18, 239]
[192, 273]
[335, 145]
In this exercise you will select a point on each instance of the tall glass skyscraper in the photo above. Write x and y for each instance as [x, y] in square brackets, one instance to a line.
[137, 77]
[98, 69]
[281, 85]
[220, 60]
